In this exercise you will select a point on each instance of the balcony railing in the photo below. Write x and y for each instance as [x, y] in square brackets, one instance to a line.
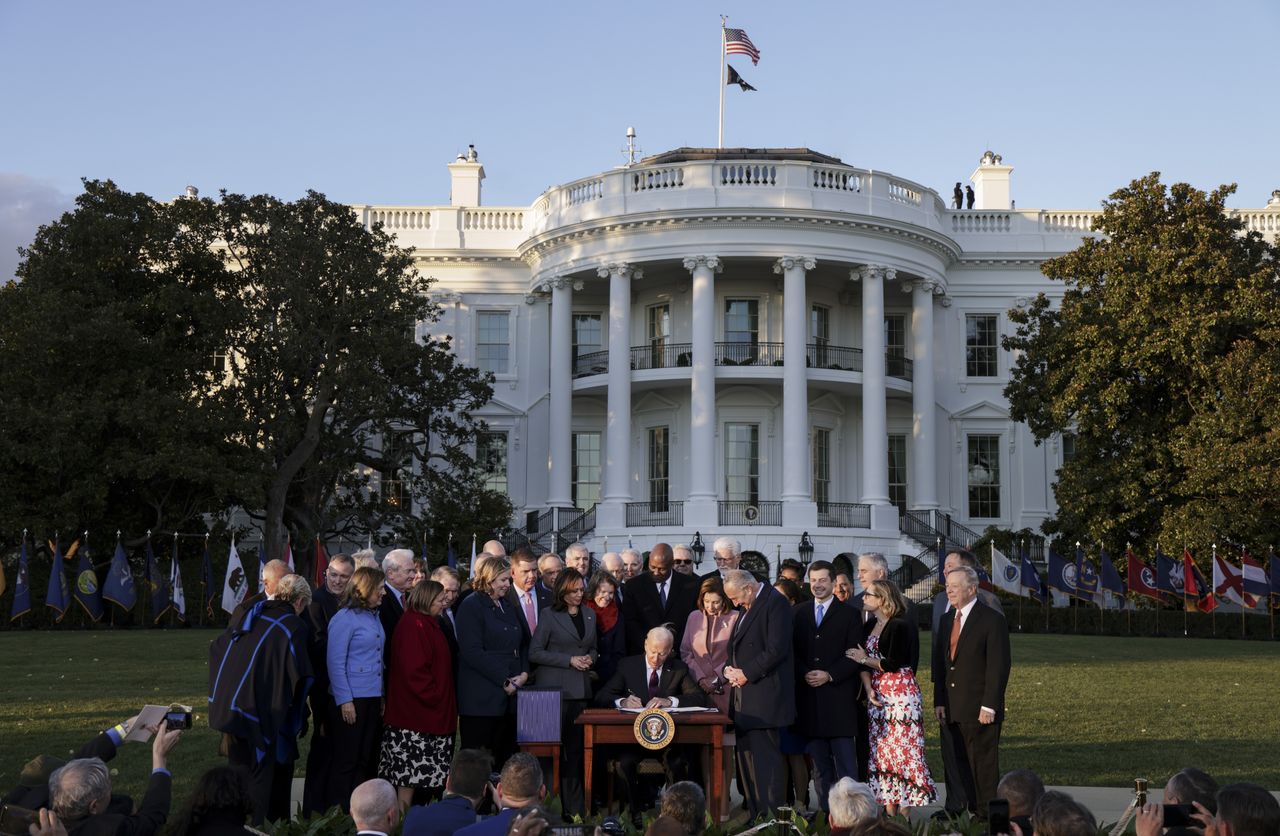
[748, 354]
[836, 357]
[596, 362]
[895, 365]
[655, 513]
[736, 512]
[844, 515]
[661, 355]
[575, 529]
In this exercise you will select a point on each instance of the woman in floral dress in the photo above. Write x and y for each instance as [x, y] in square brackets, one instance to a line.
[898, 773]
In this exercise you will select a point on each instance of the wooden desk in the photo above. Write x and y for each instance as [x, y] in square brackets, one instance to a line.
[605, 726]
[547, 750]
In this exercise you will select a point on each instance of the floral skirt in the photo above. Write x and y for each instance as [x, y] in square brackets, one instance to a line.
[898, 772]
[413, 759]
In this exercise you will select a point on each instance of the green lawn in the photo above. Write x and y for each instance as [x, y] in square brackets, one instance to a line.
[1082, 710]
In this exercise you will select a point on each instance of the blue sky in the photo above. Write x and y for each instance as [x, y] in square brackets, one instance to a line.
[369, 102]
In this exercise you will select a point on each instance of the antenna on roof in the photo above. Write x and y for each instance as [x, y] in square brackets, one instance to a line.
[632, 149]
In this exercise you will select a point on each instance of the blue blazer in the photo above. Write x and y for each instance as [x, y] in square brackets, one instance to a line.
[489, 653]
[444, 818]
[355, 655]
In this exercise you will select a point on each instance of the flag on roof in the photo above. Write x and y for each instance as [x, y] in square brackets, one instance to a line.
[736, 42]
[118, 587]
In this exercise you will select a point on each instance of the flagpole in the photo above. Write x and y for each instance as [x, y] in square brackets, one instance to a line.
[1242, 624]
[1020, 586]
[1185, 631]
[1213, 613]
[720, 78]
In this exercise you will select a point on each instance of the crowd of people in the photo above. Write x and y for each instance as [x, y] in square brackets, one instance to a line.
[385, 667]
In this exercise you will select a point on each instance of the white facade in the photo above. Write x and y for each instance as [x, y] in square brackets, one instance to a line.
[692, 336]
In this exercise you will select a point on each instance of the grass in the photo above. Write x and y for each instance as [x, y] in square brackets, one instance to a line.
[1083, 710]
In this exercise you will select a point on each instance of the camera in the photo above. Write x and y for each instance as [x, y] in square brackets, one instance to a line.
[15, 820]
[1179, 815]
[177, 720]
[613, 826]
[998, 816]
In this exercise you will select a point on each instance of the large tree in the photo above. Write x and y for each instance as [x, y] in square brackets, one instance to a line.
[1163, 362]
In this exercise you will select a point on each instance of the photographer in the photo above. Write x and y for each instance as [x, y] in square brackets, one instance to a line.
[1173, 817]
[32, 791]
[80, 793]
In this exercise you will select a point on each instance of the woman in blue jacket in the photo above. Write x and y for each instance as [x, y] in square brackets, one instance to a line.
[354, 656]
[491, 663]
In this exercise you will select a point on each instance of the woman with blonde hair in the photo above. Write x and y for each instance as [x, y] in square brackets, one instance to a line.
[491, 663]
[354, 656]
[897, 771]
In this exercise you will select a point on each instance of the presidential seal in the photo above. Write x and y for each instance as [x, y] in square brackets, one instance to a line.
[655, 729]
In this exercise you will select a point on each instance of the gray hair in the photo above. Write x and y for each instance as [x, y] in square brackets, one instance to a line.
[681, 547]
[574, 548]
[611, 558]
[74, 787]
[546, 559]
[739, 579]
[851, 802]
[371, 804]
[728, 544]
[662, 632]
[970, 576]
[443, 572]
[293, 588]
[626, 552]
[685, 802]
[365, 558]
[398, 559]
[877, 560]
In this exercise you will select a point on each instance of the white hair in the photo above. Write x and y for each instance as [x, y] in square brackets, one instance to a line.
[292, 588]
[877, 560]
[851, 802]
[576, 548]
[397, 559]
[611, 558]
[970, 575]
[661, 633]
[626, 552]
[371, 804]
[74, 787]
[739, 579]
[681, 547]
[727, 544]
[364, 559]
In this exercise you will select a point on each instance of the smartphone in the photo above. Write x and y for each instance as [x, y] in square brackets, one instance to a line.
[1179, 815]
[572, 830]
[15, 820]
[177, 720]
[998, 817]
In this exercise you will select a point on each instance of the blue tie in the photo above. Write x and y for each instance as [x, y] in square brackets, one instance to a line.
[818, 619]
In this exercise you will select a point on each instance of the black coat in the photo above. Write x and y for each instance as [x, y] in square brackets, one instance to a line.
[910, 616]
[389, 612]
[674, 681]
[979, 674]
[825, 711]
[489, 653]
[642, 610]
[543, 600]
[761, 646]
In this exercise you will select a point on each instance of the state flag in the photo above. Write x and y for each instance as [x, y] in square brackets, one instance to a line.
[1086, 577]
[1198, 594]
[1030, 579]
[21, 586]
[1005, 574]
[1061, 575]
[1110, 578]
[157, 583]
[87, 593]
[236, 585]
[450, 557]
[1169, 576]
[1255, 579]
[118, 587]
[1141, 578]
[178, 601]
[1275, 580]
[262, 566]
[1228, 583]
[321, 563]
[56, 597]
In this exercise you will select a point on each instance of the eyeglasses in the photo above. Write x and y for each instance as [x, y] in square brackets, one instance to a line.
[871, 595]
[680, 562]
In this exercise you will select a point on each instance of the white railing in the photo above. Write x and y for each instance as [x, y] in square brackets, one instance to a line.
[836, 179]
[400, 217]
[977, 222]
[1265, 221]
[493, 219]
[748, 174]
[1053, 220]
[584, 191]
[657, 178]
[903, 193]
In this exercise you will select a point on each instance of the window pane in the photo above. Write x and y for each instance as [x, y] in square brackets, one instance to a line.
[742, 321]
[742, 462]
[1068, 447]
[980, 345]
[659, 461]
[492, 342]
[895, 335]
[659, 323]
[586, 334]
[822, 467]
[820, 324]
[984, 476]
[586, 469]
[491, 457]
[395, 474]
[898, 472]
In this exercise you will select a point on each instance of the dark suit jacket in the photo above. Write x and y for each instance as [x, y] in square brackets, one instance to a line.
[512, 601]
[448, 627]
[244, 607]
[323, 606]
[979, 674]
[489, 653]
[389, 613]
[674, 681]
[643, 610]
[911, 617]
[761, 645]
[447, 816]
[147, 821]
[824, 711]
[554, 642]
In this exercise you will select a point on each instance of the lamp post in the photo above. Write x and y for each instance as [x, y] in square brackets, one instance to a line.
[698, 548]
[806, 550]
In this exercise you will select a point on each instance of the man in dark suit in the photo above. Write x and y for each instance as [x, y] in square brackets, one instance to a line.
[80, 792]
[957, 801]
[464, 791]
[272, 572]
[970, 675]
[827, 681]
[324, 603]
[653, 679]
[761, 671]
[448, 578]
[659, 596]
[728, 555]
[525, 595]
[374, 808]
[397, 565]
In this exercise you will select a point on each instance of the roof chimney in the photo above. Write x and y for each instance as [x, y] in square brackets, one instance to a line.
[465, 174]
[991, 183]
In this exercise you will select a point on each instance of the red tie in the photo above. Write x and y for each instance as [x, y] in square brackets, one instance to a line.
[530, 615]
[653, 685]
[955, 634]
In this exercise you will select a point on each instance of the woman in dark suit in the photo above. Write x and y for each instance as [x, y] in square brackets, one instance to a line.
[563, 651]
[897, 771]
[490, 664]
[611, 640]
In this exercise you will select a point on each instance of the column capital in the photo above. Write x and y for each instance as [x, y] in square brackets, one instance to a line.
[693, 262]
[789, 262]
[534, 298]
[561, 282]
[930, 286]
[620, 268]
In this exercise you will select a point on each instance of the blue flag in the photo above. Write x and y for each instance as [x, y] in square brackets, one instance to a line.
[1169, 577]
[118, 587]
[21, 586]
[158, 584]
[450, 557]
[87, 591]
[56, 598]
[1086, 577]
[1110, 580]
[1062, 574]
[1275, 580]
[1031, 579]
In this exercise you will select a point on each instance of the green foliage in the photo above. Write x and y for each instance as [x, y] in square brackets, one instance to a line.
[1163, 359]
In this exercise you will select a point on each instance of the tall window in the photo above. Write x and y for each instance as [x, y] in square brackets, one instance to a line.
[395, 473]
[821, 467]
[820, 325]
[659, 333]
[586, 469]
[895, 344]
[1068, 447]
[898, 472]
[742, 462]
[491, 457]
[741, 329]
[659, 469]
[980, 345]
[587, 334]
[984, 476]
[493, 341]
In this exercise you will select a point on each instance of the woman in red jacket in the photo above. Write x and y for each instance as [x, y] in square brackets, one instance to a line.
[422, 710]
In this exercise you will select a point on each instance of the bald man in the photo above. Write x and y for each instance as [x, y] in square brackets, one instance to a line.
[270, 579]
[495, 548]
[656, 597]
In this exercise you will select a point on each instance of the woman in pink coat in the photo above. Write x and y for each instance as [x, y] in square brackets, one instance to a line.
[705, 650]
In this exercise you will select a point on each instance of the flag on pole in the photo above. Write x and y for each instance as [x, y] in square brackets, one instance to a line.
[1030, 578]
[1086, 577]
[322, 563]
[1275, 579]
[87, 591]
[1255, 579]
[236, 586]
[1228, 583]
[732, 77]
[262, 566]
[942, 560]
[1141, 578]
[1109, 579]
[157, 583]
[56, 597]
[1169, 578]
[178, 599]
[1062, 574]
[1198, 594]
[206, 578]
[21, 585]
[288, 554]
[736, 42]
[1005, 575]
[118, 587]
[471, 567]
[449, 557]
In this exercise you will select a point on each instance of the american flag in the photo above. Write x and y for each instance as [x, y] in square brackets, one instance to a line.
[736, 42]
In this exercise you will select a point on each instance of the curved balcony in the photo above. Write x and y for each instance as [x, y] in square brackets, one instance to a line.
[666, 355]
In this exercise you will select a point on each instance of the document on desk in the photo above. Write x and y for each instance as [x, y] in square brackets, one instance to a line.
[682, 709]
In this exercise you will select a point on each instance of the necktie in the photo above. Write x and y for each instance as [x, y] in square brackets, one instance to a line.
[818, 615]
[662, 593]
[529, 614]
[653, 684]
[955, 633]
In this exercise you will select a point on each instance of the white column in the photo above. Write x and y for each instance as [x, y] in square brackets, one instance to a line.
[700, 503]
[797, 485]
[617, 463]
[559, 490]
[924, 442]
[875, 436]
